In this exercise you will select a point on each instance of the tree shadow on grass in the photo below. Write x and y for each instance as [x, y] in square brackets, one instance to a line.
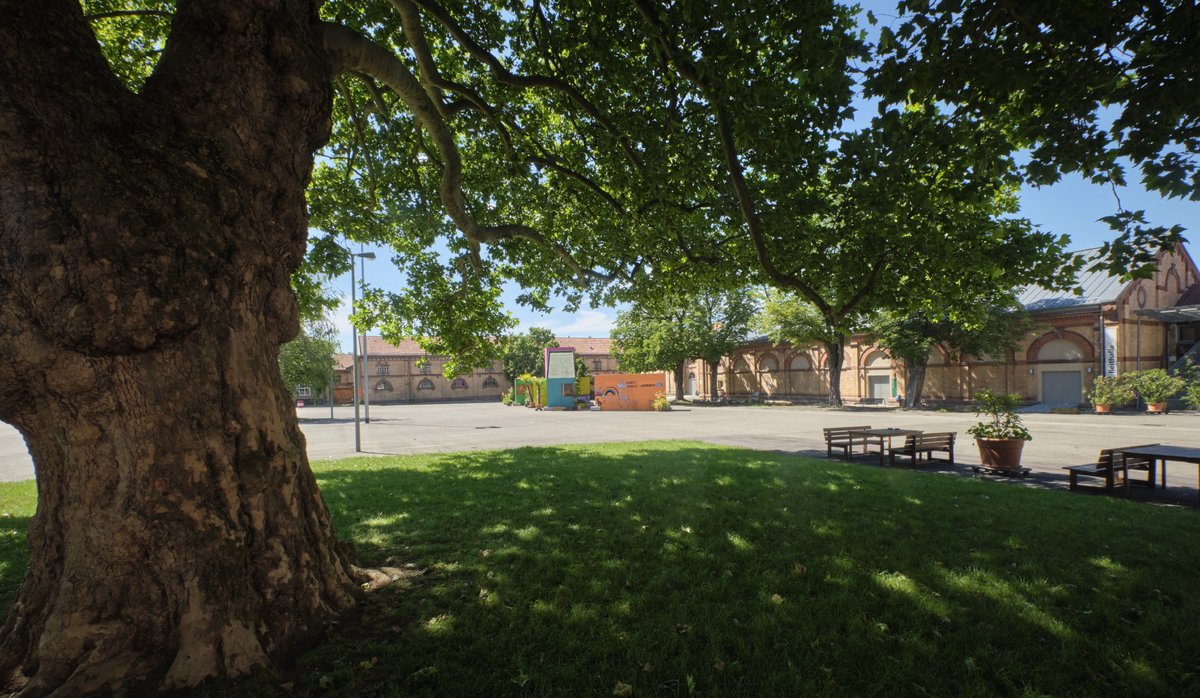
[677, 566]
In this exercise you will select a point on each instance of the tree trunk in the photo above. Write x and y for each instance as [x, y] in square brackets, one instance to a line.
[835, 352]
[144, 292]
[679, 373]
[914, 381]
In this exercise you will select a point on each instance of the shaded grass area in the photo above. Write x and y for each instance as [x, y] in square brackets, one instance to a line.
[679, 568]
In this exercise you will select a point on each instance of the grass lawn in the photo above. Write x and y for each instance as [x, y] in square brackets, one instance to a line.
[678, 568]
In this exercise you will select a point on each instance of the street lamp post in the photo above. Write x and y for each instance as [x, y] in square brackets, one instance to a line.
[363, 257]
[354, 347]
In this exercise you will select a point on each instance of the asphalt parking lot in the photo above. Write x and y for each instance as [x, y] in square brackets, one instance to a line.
[1058, 439]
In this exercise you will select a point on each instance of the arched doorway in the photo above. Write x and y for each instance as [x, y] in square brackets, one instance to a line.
[1061, 363]
[878, 369]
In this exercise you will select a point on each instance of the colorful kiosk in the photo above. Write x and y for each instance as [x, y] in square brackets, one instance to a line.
[560, 378]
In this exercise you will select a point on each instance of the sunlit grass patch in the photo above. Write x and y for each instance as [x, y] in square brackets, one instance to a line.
[673, 567]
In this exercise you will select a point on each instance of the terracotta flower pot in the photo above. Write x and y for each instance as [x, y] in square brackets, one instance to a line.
[1103, 409]
[1001, 454]
[1156, 407]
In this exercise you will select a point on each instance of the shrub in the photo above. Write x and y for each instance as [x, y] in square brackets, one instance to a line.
[661, 403]
[1004, 422]
[1115, 390]
[1156, 385]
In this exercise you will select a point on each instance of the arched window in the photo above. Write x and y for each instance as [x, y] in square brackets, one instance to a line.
[425, 384]
[768, 364]
[740, 365]
[490, 382]
[877, 359]
[458, 384]
[801, 362]
[1060, 350]
[383, 386]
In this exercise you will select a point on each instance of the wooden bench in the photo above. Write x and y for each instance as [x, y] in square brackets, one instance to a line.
[1106, 466]
[839, 437]
[918, 445]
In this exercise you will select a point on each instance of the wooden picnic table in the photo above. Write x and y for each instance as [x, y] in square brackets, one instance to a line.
[1161, 453]
[881, 435]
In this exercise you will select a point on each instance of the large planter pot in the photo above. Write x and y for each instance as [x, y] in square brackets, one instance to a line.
[1103, 409]
[1000, 454]
[1156, 407]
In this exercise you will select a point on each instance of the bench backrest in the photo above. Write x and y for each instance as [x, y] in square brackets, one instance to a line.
[840, 433]
[1107, 456]
[932, 439]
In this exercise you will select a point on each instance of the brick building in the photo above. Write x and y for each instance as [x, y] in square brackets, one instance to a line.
[1114, 327]
[395, 373]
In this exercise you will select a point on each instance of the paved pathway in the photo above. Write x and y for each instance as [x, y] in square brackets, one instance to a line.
[398, 429]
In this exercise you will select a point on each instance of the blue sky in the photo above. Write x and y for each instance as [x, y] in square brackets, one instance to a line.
[1072, 207]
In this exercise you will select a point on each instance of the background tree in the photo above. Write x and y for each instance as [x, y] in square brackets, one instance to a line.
[992, 325]
[664, 331]
[787, 318]
[1094, 89]
[308, 359]
[522, 354]
[717, 323]
[649, 336]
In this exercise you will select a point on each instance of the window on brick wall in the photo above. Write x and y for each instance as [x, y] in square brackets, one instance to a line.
[425, 384]
[458, 384]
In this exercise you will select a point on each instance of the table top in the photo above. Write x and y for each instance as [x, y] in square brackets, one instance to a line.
[1187, 454]
[886, 432]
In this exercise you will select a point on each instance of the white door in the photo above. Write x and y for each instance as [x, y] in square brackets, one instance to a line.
[879, 387]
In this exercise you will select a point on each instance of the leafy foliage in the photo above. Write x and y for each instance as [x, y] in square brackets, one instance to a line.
[1004, 422]
[1090, 90]
[1155, 384]
[656, 334]
[1112, 390]
[308, 359]
[489, 143]
[523, 355]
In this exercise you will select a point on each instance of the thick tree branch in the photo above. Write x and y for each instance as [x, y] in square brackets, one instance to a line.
[652, 15]
[504, 75]
[354, 51]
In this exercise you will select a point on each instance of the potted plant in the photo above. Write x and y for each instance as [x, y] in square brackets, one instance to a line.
[1108, 392]
[1001, 437]
[1155, 386]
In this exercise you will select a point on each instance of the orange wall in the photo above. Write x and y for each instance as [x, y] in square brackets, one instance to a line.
[628, 391]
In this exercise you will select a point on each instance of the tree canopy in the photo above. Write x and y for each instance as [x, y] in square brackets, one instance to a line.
[1097, 88]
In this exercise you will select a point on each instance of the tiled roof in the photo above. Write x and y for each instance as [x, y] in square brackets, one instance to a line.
[1190, 296]
[377, 347]
[1098, 287]
[343, 362]
[587, 346]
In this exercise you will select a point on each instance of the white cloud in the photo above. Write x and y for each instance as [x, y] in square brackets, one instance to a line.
[585, 323]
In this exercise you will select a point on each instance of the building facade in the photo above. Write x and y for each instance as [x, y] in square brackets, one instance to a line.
[1113, 328]
[406, 373]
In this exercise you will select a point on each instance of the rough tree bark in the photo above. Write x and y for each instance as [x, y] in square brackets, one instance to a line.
[914, 381]
[680, 373]
[146, 243]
